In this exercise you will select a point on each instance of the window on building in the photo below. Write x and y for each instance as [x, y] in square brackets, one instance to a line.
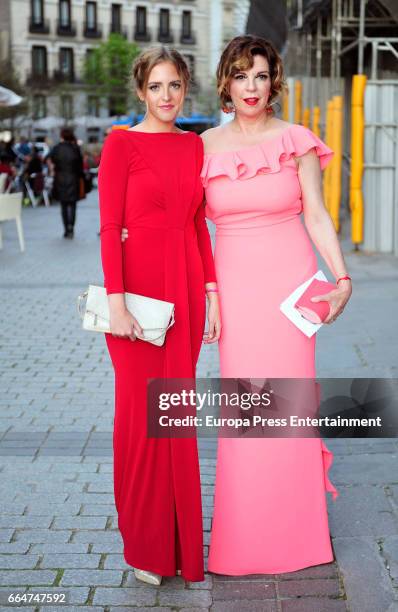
[66, 62]
[91, 15]
[39, 61]
[164, 22]
[112, 104]
[39, 107]
[91, 60]
[37, 12]
[93, 106]
[140, 20]
[186, 24]
[116, 18]
[64, 13]
[190, 59]
[67, 107]
[117, 105]
[93, 135]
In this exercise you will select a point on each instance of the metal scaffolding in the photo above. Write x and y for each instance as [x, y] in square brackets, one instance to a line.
[331, 29]
[341, 44]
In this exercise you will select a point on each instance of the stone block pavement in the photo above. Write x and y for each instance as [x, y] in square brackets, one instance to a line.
[58, 530]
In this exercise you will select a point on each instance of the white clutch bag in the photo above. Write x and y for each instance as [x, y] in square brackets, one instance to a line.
[154, 316]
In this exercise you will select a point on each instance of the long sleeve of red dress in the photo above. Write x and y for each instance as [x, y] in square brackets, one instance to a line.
[204, 242]
[112, 183]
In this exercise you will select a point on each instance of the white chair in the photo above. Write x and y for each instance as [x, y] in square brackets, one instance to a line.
[10, 208]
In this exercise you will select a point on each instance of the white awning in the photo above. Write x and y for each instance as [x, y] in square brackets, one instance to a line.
[8, 97]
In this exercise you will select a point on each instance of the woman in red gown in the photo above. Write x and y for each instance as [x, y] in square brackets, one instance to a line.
[149, 182]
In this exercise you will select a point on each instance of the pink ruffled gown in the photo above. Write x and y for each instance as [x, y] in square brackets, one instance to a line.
[270, 513]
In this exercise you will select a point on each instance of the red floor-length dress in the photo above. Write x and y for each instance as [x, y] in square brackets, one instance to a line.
[150, 183]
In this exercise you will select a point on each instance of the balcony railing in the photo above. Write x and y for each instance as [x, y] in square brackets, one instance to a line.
[66, 29]
[92, 31]
[37, 79]
[188, 39]
[60, 76]
[118, 29]
[39, 27]
[165, 37]
[142, 36]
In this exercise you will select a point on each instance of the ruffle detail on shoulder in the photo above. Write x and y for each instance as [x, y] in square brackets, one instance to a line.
[266, 157]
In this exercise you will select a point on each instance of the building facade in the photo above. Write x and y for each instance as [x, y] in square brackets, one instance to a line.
[48, 40]
[228, 18]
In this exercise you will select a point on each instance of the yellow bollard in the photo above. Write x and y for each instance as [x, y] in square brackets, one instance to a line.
[316, 118]
[328, 140]
[357, 156]
[285, 105]
[298, 92]
[306, 117]
[335, 174]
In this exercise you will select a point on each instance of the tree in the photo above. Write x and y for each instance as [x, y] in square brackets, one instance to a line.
[107, 69]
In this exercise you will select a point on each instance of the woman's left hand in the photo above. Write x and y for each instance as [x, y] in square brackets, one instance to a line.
[214, 321]
[337, 299]
[124, 234]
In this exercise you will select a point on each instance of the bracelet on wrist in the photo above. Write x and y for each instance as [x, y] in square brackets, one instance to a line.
[346, 277]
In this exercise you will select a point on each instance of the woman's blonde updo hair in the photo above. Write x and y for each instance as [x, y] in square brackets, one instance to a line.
[153, 56]
[238, 55]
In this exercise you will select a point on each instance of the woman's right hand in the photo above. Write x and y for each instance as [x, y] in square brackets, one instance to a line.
[122, 322]
[124, 325]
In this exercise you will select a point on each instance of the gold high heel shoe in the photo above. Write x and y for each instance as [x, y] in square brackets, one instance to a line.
[148, 577]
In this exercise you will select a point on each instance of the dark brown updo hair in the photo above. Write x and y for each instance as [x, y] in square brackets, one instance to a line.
[239, 55]
[153, 56]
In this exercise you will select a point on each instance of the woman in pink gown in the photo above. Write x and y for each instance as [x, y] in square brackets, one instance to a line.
[260, 174]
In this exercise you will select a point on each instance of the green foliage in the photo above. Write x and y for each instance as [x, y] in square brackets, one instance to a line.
[107, 69]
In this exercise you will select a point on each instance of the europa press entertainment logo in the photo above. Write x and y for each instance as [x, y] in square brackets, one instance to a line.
[279, 407]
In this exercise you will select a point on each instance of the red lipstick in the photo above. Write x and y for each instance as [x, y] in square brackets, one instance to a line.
[251, 101]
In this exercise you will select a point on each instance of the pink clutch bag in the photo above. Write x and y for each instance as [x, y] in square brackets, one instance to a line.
[316, 312]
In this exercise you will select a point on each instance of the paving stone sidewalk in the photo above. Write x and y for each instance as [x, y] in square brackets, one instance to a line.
[58, 530]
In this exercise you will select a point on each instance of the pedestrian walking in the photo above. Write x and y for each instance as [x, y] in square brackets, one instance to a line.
[260, 173]
[34, 172]
[66, 165]
[149, 181]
